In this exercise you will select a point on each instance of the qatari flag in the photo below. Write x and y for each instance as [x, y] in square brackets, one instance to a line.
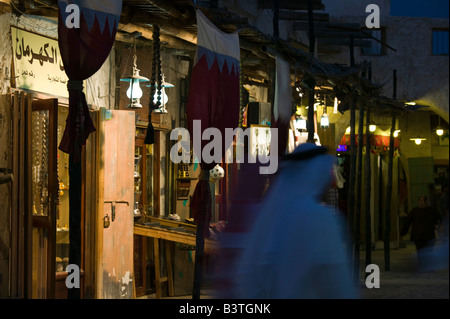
[213, 99]
[86, 33]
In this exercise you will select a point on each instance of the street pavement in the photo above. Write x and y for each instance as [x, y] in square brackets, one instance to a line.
[403, 280]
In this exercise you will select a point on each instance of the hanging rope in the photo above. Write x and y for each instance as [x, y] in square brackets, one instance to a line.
[155, 84]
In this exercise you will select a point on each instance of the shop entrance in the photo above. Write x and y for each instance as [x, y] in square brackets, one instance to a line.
[39, 198]
[44, 195]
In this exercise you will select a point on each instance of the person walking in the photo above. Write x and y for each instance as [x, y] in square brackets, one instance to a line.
[424, 220]
[295, 248]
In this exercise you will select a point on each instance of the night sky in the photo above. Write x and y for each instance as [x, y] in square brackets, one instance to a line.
[420, 8]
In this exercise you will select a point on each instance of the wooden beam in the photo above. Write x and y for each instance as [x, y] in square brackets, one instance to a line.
[326, 26]
[291, 5]
[343, 41]
[172, 10]
[302, 16]
[185, 43]
[340, 35]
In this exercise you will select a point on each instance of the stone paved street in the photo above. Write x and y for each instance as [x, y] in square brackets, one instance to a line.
[403, 281]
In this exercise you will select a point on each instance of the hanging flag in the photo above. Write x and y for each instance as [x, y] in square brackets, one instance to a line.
[214, 98]
[282, 109]
[86, 33]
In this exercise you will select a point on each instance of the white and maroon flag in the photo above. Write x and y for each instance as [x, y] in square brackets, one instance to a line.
[213, 96]
[86, 33]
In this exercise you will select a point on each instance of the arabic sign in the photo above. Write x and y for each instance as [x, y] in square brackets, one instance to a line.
[37, 63]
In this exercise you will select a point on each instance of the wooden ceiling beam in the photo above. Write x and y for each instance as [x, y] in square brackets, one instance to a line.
[166, 40]
[302, 16]
[291, 5]
[343, 42]
[339, 34]
[324, 26]
[173, 11]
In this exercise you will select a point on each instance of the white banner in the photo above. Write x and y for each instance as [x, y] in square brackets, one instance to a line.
[37, 63]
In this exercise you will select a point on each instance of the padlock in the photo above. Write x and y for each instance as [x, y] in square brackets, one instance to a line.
[106, 221]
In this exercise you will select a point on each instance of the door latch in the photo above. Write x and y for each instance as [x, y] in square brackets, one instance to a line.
[113, 207]
[106, 221]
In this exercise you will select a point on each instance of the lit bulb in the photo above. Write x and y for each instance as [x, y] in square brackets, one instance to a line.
[396, 133]
[439, 131]
[134, 91]
[347, 131]
[324, 121]
[418, 141]
[164, 97]
[372, 127]
[335, 110]
[300, 124]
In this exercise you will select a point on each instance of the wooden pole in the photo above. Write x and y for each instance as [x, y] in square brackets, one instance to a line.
[312, 44]
[351, 181]
[367, 187]
[276, 6]
[352, 51]
[357, 232]
[387, 230]
[351, 184]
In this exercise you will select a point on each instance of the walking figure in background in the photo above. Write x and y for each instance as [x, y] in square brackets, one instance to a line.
[441, 252]
[295, 247]
[424, 222]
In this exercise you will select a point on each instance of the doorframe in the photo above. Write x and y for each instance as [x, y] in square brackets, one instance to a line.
[47, 222]
[21, 219]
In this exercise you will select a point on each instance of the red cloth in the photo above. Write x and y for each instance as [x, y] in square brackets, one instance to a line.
[376, 140]
[83, 51]
[213, 99]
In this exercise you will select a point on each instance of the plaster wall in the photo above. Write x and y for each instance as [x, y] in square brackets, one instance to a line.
[421, 76]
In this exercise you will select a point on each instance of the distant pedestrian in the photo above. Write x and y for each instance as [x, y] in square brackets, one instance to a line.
[424, 221]
[441, 252]
[443, 204]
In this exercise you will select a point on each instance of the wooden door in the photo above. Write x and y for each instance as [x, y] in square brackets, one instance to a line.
[42, 147]
[116, 198]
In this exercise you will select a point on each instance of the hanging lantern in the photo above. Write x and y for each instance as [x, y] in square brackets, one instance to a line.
[164, 98]
[300, 123]
[324, 121]
[439, 129]
[417, 140]
[134, 92]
